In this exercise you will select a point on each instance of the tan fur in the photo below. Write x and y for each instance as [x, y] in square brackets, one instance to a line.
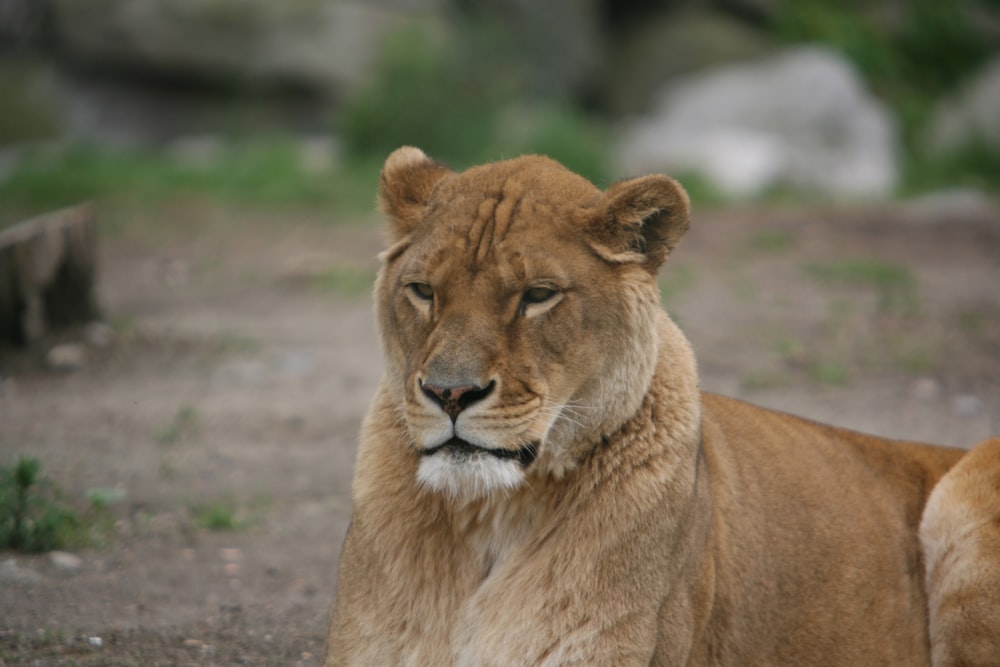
[585, 503]
[961, 537]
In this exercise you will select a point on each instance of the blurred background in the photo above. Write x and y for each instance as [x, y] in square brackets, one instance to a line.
[185, 361]
[261, 101]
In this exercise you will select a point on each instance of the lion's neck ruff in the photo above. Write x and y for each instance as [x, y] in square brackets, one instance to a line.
[488, 529]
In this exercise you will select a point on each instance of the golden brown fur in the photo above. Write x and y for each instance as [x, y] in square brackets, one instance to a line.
[541, 482]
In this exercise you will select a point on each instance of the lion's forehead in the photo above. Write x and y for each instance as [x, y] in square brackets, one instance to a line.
[477, 252]
[510, 232]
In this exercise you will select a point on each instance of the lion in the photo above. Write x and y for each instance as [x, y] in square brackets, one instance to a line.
[541, 481]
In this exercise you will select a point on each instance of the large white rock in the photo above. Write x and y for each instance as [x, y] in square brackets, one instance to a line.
[801, 119]
[973, 114]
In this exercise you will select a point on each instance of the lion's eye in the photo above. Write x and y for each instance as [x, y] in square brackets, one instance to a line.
[538, 294]
[422, 290]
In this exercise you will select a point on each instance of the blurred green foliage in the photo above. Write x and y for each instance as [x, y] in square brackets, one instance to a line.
[894, 284]
[463, 99]
[217, 516]
[23, 115]
[924, 48]
[975, 165]
[262, 172]
[463, 95]
[911, 54]
[32, 515]
[347, 280]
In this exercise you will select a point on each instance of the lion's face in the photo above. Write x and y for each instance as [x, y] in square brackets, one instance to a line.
[517, 307]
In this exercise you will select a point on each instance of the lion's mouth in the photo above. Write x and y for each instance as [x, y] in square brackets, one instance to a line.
[525, 455]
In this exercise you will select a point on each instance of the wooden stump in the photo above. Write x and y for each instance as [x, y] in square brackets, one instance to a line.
[48, 268]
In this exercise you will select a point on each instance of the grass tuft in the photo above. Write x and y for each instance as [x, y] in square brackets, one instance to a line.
[33, 514]
[893, 283]
[219, 515]
[348, 281]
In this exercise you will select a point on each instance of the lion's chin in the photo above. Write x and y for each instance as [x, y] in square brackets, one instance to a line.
[468, 476]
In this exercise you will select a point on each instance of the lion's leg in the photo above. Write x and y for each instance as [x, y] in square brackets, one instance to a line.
[960, 532]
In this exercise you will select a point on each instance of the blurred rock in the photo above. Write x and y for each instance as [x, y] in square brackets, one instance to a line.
[651, 52]
[560, 40]
[231, 554]
[925, 389]
[324, 45]
[65, 561]
[66, 357]
[972, 115]
[756, 10]
[22, 22]
[966, 405]
[99, 334]
[800, 120]
[12, 572]
[952, 205]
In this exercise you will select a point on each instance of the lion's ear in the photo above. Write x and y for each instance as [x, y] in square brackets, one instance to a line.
[641, 220]
[407, 180]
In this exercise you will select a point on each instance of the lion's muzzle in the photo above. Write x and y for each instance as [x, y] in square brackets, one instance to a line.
[455, 399]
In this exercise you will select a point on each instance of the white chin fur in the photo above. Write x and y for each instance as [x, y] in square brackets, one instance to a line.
[469, 477]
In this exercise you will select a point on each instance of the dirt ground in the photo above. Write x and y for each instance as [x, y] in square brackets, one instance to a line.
[243, 353]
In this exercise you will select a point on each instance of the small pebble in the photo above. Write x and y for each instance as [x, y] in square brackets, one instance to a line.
[11, 571]
[925, 389]
[66, 357]
[65, 561]
[231, 555]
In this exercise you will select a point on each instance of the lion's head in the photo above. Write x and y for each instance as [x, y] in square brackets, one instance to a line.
[518, 310]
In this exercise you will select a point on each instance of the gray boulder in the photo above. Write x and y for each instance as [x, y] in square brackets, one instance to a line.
[669, 44]
[560, 39]
[801, 119]
[327, 45]
[972, 115]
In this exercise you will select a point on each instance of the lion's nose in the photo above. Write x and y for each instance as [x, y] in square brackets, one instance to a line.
[455, 399]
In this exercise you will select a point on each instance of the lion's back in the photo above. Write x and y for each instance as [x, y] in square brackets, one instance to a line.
[807, 516]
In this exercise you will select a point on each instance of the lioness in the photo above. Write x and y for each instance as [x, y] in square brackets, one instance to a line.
[540, 480]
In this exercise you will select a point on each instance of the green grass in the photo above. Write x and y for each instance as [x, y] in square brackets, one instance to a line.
[861, 271]
[428, 91]
[260, 173]
[765, 379]
[772, 241]
[974, 165]
[893, 283]
[910, 58]
[674, 280]
[825, 368]
[219, 515]
[347, 281]
[700, 189]
[828, 373]
[182, 425]
[33, 513]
